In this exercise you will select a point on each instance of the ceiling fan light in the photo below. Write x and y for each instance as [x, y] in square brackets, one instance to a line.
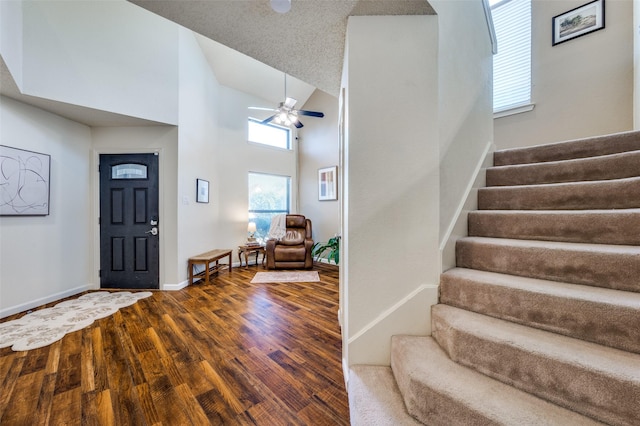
[281, 6]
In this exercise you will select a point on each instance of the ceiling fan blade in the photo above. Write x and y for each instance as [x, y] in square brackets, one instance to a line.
[298, 124]
[263, 109]
[311, 113]
[268, 120]
[289, 103]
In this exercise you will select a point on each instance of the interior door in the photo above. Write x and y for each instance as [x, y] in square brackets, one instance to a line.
[129, 223]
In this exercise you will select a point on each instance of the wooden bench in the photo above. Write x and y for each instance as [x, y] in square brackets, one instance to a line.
[206, 259]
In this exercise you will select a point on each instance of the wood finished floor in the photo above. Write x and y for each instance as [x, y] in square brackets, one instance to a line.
[229, 353]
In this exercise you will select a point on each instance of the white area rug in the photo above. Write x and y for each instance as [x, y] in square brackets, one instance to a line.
[45, 326]
[286, 277]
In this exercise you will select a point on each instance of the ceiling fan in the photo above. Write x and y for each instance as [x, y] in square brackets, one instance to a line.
[286, 114]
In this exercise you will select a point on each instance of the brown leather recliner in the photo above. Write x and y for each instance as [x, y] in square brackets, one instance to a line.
[293, 251]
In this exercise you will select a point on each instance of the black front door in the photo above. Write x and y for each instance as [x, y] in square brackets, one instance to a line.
[129, 223]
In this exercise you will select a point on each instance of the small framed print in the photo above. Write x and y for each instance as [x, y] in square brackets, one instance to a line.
[328, 183]
[202, 191]
[577, 22]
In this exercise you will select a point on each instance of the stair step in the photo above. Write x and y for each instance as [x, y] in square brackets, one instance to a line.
[577, 226]
[612, 166]
[600, 265]
[374, 398]
[578, 148]
[602, 194]
[437, 391]
[599, 315]
[600, 382]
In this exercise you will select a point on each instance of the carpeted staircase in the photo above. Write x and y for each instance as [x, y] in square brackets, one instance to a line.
[539, 323]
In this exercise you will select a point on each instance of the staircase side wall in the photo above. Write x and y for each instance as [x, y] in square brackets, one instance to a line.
[391, 189]
[465, 62]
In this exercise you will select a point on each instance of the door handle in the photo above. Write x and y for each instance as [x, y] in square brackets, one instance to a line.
[152, 231]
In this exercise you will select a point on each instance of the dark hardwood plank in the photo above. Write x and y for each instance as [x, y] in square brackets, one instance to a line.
[225, 353]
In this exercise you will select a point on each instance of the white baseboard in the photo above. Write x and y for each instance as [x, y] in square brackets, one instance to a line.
[5, 312]
[411, 315]
[174, 287]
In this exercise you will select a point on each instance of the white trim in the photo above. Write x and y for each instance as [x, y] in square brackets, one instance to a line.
[463, 200]
[390, 311]
[492, 30]
[175, 287]
[345, 373]
[43, 300]
[518, 109]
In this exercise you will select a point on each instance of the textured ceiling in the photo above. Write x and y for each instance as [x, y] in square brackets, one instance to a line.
[307, 42]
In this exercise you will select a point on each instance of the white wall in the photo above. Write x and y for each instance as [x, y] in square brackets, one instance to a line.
[45, 258]
[11, 37]
[636, 64]
[583, 87]
[391, 193]
[213, 146]
[197, 149]
[210, 143]
[466, 111]
[160, 139]
[318, 148]
[107, 55]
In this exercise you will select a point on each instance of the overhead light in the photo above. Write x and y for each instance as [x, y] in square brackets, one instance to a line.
[281, 6]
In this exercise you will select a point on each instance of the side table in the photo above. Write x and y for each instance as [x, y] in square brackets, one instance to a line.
[247, 250]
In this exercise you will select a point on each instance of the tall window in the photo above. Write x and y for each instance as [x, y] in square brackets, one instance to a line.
[268, 195]
[269, 134]
[512, 63]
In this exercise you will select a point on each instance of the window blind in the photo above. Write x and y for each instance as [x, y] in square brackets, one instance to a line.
[512, 63]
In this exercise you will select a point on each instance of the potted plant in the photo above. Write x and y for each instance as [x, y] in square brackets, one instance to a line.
[333, 246]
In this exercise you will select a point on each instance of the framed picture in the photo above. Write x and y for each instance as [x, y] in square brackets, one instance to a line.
[24, 182]
[328, 183]
[577, 22]
[202, 191]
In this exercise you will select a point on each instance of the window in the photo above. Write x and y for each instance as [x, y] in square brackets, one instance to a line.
[129, 171]
[268, 195]
[269, 134]
[512, 63]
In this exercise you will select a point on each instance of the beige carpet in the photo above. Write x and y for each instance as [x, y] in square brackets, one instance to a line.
[286, 277]
[46, 326]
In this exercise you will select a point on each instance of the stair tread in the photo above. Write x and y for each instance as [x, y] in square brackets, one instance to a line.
[595, 212]
[602, 167]
[577, 148]
[481, 395]
[590, 226]
[558, 245]
[601, 182]
[600, 315]
[615, 298]
[613, 363]
[597, 194]
[374, 398]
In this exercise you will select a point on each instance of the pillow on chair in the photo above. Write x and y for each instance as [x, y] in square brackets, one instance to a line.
[293, 237]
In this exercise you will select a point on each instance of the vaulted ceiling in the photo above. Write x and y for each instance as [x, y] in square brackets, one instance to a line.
[249, 47]
[307, 42]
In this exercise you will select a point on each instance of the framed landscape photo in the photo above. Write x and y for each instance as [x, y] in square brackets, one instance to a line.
[202, 191]
[328, 183]
[577, 22]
